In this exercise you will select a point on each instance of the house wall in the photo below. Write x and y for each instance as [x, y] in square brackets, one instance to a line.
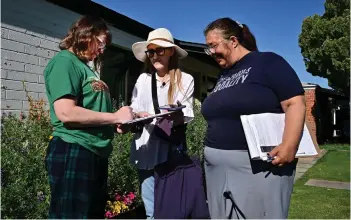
[30, 33]
[198, 69]
[29, 38]
[310, 96]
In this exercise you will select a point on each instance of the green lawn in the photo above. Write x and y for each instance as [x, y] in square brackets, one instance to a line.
[335, 166]
[333, 147]
[310, 202]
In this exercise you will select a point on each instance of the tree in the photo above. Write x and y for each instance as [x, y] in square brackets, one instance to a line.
[325, 44]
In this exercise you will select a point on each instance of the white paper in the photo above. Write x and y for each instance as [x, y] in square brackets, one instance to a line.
[250, 137]
[267, 129]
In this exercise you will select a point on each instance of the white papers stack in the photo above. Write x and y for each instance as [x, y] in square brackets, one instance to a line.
[265, 131]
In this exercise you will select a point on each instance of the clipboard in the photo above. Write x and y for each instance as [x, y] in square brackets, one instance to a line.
[172, 107]
[160, 115]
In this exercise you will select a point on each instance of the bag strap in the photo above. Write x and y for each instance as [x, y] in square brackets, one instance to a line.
[181, 128]
[154, 93]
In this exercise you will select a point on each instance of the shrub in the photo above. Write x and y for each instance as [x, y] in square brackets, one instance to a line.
[196, 131]
[25, 192]
[25, 189]
[122, 175]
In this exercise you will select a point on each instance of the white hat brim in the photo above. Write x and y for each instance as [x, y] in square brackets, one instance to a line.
[139, 49]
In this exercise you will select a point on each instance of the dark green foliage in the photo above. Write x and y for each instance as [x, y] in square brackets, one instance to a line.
[325, 44]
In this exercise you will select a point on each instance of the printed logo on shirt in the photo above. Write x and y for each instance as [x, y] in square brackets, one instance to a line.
[98, 85]
[229, 81]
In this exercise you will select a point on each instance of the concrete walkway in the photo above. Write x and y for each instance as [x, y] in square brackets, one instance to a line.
[305, 163]
[328, 184]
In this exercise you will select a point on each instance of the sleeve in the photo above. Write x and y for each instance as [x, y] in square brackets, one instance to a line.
[63, 79]
[188, 100]
[282, 78]
[135, 96]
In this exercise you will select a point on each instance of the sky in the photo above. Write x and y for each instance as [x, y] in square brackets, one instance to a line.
[276, 24]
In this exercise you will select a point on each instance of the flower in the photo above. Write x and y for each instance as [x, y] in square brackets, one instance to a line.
[117, 197]
[121, 204]
[41, 196]
[108, 214]
[131, 195]
[127, 201]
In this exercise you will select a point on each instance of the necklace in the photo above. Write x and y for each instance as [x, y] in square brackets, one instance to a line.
[164, 79]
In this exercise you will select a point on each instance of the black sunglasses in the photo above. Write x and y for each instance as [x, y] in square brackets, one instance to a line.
[160, 51]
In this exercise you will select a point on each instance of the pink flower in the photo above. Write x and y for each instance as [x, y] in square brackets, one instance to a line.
[108, 214]
[131, 196]
[117, 197]
[127, 201]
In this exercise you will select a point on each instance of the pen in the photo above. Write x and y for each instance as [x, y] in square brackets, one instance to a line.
[270, 158]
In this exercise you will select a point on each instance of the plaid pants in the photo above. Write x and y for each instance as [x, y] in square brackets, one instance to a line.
[78, 181]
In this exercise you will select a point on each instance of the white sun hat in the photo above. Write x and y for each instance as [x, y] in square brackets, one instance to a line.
[161, 37]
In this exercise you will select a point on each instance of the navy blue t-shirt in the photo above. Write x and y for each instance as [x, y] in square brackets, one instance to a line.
[257, 83]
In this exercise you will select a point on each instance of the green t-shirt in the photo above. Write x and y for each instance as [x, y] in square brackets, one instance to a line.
[66, 75]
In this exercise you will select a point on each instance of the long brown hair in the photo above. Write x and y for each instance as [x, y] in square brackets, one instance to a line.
[229, 28]
[81, 37]
[175, 75]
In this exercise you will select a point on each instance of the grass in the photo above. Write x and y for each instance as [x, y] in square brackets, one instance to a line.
[334, 166]
[336, 147]
[309, 202]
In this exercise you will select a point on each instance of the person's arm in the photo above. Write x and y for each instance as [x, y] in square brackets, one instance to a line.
[69, 113]
[63, 82]
[289, 91]
[294, 109]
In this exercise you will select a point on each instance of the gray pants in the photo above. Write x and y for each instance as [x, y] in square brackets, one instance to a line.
[238, 187]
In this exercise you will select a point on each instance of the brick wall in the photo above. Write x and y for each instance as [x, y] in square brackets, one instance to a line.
[30, 33]
[28, 41]
[23, 59]
[310, 95]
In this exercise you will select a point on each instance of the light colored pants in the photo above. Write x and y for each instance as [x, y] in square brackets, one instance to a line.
[238, 187]
[147, 182]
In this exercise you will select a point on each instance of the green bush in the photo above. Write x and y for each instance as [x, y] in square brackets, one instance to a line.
[25, 191]
[123, 177]
[196, 131]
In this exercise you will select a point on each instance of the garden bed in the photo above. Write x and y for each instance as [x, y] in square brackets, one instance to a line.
[25, 192]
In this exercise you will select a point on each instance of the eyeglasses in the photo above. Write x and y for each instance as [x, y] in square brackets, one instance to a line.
[160, 51]
[212, 49]
[102, 44]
